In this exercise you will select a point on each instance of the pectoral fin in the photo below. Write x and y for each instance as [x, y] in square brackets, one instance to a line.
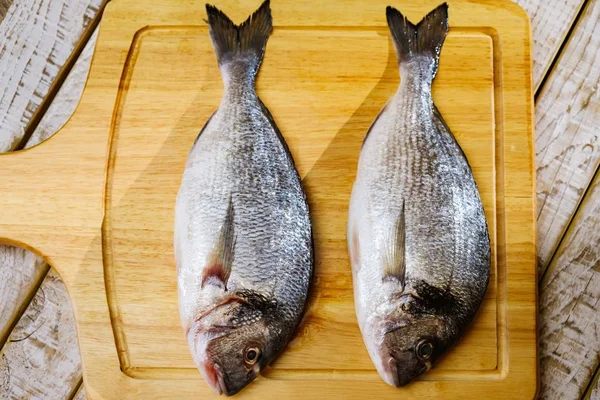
[219, 265]
[394, 258]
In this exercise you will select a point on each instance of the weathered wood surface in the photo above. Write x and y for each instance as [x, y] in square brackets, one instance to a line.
[567, 134]
[594, 388]
[550, 23]
[33, 53]
[67, 98]
[80, 394]
[569, 304]
[41, 358]
[20, 272]
[4, 6]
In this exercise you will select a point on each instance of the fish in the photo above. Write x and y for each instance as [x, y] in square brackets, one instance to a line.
[417, 234]
[243, 240]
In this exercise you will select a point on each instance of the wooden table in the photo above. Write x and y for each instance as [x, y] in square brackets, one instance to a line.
[46, 52]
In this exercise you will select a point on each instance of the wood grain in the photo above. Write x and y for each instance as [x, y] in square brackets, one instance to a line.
[550, 24]
[593, 392]
[80, 394]
[74, 196]
[41, 358]
[4, 6]
[569, 304]
[33, 54]
[67, 98]
[567, 139]
[20, 272]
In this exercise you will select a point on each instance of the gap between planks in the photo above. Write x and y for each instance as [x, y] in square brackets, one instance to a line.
[565, 122]
[592, 392]
[61, 77]
[78, 392]
[559, 50]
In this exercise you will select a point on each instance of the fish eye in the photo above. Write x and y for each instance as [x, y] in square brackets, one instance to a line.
[424, 350]
[252, 355]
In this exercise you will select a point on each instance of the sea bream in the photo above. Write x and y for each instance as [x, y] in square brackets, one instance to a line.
[243, 236]
[417, 234]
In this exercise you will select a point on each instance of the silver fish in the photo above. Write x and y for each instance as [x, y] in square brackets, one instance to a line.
[417, 233]
[243, 236]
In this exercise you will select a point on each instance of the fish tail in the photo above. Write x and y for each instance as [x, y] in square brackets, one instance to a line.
[424, 39]
[245, 42]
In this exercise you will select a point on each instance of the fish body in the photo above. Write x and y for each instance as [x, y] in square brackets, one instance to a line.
[417, 233]
[243, 236]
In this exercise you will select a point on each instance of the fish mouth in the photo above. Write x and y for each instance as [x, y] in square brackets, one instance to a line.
[213, 375]
[398, 375]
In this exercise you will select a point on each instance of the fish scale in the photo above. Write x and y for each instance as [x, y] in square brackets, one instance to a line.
[243, 236]
[417, 233]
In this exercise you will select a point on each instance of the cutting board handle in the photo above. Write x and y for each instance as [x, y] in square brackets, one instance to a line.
[52, 195]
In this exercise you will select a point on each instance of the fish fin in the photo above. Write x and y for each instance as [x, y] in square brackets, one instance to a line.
[219, 266]
[204, 128]
[247, 40]
[271, 120]
[394, 261]
[424, 39]
[374, 122]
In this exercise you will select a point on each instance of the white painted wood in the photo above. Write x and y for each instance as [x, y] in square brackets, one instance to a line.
[67, 98]
[550, 23]
[41, 359]
[36, 37]
[594, 390]
[20, 272]
[569, 307]
[567, 132]
[80, 394]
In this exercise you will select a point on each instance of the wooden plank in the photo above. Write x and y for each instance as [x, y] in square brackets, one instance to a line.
[67, 98]
[593, 392]
[4, 6]
[41, 358]
[569, 303]
[567, 140]
[37, 38]
[80, 394]
[20, 273]
[550, 24]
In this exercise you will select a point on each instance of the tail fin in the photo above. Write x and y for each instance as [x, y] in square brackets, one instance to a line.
[247, 40]
[425, 38]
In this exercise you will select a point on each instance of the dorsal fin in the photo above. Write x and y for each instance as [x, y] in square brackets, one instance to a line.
[219, 266]
[394, 267]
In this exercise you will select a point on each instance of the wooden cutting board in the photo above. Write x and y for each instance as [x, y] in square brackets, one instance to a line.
[97, 200]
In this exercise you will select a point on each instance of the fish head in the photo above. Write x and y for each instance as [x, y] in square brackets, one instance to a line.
[233, 346]
[405, 343]
[410, 349]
